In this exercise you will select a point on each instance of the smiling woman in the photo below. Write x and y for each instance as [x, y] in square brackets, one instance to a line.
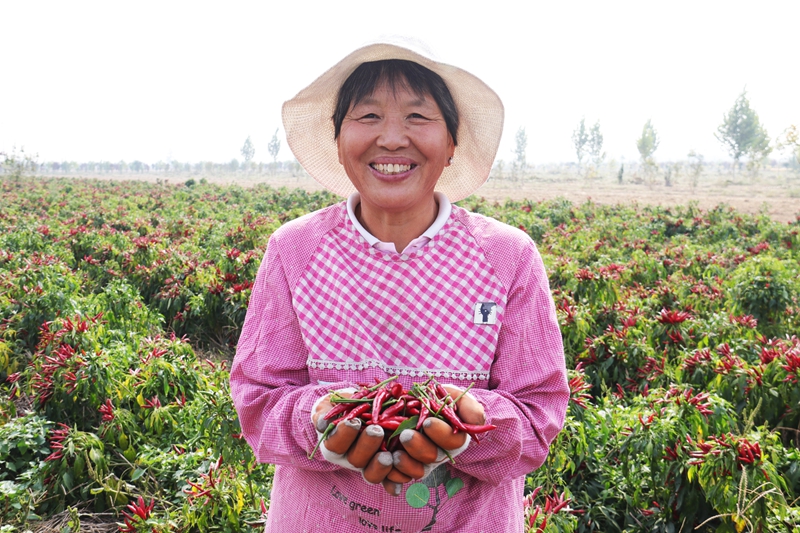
[397, 282]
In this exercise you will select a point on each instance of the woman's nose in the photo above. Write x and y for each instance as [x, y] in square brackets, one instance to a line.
[393, 135]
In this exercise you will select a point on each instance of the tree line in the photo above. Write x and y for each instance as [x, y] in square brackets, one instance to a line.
[741, 133]
[20, 162]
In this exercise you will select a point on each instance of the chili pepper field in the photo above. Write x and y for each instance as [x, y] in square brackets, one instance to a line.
[121, 303]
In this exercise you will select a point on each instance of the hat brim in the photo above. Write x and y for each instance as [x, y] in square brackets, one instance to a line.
[307, 120]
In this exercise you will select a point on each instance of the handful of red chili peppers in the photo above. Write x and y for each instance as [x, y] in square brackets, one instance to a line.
[393, 408]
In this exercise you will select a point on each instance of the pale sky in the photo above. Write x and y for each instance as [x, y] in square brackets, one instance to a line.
[191, 80]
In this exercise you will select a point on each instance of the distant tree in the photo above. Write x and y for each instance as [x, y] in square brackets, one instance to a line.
[695, 167]
[521, 148]
[519, 164]
[498, 168]
[671, 173]
[136, 166]
[742, 134]
[274, 146]
[596, 146]
[248, 151]
[789, 141]
[647, 144]
[233, 165]
[580, 139]
[18, 164]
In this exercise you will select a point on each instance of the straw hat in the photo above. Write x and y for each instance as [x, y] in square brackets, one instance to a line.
[309, 126]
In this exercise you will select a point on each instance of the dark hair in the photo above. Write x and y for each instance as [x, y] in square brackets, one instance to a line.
[407, 74]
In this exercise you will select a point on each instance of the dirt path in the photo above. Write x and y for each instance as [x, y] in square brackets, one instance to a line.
[776, 194]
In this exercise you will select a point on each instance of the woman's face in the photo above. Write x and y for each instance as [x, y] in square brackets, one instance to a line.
[393, 146]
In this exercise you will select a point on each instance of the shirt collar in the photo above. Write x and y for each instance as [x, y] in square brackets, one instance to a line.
[444, 213]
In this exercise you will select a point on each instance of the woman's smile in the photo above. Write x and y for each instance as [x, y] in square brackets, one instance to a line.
[391, 169]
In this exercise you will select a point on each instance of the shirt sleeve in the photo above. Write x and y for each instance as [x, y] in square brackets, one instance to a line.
[269, 377]
[528, 393]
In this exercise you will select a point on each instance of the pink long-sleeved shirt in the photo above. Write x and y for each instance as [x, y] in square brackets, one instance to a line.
[328, 310]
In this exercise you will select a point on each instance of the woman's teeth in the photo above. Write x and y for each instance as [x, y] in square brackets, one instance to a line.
[389, 168]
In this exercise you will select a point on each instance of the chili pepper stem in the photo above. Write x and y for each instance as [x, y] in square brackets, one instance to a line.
[445, 400]
[382, 383]
[341, 399]
[448, 455]
[324, 436]
[464, 392]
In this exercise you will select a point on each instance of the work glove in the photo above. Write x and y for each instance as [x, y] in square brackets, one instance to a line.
[334, 449]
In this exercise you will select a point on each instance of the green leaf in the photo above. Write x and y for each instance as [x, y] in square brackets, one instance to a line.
[411, 423]
[137, 474]
[417, 495]
[95, 455]
[66, 477]
[453, 485]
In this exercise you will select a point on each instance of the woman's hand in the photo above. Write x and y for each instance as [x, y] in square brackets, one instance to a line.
[356, 448]
[322, 407]
[468, 408]
[347, 445]
[421, 453]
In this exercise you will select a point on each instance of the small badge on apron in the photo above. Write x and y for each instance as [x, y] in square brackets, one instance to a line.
[485, 313]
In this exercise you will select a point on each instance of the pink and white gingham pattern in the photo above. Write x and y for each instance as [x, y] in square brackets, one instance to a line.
[293, 339]
[409, 314]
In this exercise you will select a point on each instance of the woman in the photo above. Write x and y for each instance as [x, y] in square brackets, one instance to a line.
[397, 281]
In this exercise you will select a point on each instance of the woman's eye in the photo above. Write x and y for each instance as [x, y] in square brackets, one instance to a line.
[369, 115]
[416, 115]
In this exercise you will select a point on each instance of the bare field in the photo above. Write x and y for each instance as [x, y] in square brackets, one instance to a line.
[776, 193]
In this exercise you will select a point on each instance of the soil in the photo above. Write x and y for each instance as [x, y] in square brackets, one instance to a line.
[775, 193]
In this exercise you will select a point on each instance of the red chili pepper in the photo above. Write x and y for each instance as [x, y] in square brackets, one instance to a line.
[412, 402]
[344, 407]
[433, 405]
[377, 403]
[451, 417]
[412, 411]
[394, 409]
[397, 389]
[473, 429]
[441, 392]
[390, 419]
[423, 414]
[358, 411]
[337, 410]
[560, 506]
[390, 424]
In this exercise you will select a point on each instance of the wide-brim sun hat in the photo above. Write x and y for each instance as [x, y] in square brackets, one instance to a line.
[308, 122]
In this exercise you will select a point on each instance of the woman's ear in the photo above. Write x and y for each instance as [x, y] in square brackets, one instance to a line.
[451, 150]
